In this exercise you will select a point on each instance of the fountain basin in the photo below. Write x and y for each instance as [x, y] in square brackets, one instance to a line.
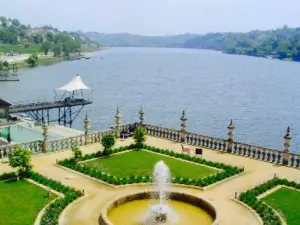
[132, 210]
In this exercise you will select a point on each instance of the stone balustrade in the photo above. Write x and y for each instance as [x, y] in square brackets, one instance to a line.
[242, 149]
[218, 144]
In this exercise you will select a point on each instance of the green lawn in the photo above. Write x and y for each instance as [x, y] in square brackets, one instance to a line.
[287, 202]
[20, 48]
[20, 202]
[142, 163]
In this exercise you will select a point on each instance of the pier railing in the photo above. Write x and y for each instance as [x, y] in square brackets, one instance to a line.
[197, 140]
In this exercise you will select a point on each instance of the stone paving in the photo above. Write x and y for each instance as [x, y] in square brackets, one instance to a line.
[87, 210]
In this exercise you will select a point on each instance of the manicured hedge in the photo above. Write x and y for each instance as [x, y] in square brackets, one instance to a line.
[266, 213]
[7, 176]
[54, 210]
[228, 171]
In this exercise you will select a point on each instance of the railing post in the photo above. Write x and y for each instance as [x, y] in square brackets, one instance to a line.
[118, 117]
[287, 145]
[45, 134]
[141, 112]
[183, 127]
[86, 129]
[230, 128]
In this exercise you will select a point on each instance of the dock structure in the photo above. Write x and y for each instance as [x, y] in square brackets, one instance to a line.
[40, 111]
[68, 106]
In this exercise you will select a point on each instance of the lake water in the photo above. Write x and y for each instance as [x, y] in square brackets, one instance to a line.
[260, 95]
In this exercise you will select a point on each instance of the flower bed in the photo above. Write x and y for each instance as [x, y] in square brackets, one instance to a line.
[52, 212]
[267, 214]
[226, 171]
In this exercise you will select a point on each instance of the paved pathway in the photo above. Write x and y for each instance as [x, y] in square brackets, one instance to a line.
[88, 209]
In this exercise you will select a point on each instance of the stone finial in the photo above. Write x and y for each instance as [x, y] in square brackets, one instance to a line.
[288, 136]
[141, 112]
[118, 114]
[287, 145]
[183, 119]
[231, 126]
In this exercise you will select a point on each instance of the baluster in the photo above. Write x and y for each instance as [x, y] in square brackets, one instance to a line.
[239, 150]
[224, 145]
[215, 143]
[292, 160]
[298, 162]
[263, 155]
[235, 147]
[279, 158]
[249, 151]
[258, 153]
[268, 156]
[273, 157]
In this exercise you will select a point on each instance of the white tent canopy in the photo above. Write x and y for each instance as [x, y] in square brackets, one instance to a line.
[74, 85]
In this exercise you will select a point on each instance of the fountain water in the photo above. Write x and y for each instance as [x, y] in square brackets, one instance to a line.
[161, 212]
[166, 207]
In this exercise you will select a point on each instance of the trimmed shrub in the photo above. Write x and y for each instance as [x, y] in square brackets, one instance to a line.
[108, 141]
[139, 135]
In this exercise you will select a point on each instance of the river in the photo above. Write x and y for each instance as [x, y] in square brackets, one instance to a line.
[260, 95]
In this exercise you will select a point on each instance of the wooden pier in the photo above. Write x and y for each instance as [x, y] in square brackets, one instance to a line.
[40, 111]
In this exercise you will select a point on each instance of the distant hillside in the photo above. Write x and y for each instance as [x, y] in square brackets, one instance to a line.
[282, 43]
[132, 40]
[19, 38]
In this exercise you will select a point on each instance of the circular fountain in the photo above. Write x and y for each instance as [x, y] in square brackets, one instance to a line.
[159, 206]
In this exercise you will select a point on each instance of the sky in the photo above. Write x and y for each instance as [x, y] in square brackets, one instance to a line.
[155, 17]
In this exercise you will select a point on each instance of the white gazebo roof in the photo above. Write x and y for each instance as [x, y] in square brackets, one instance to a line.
[75, 84]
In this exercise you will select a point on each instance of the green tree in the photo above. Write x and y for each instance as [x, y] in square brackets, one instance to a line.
[50, 36]
[1, 66]
[108, 141]
[57, 49]
[46, 47]
[38, 39]
[15, 22]
[32, 61]
[6, 64]
[139, 135]
[20, 158]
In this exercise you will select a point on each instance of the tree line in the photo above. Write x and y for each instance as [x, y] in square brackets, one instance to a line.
[49, 39]
[282, 43]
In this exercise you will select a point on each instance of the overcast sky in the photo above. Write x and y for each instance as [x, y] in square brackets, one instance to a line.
[155, 17]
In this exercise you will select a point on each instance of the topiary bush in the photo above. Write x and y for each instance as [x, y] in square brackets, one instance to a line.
[139, 136]
[108, 141]
[77, 152]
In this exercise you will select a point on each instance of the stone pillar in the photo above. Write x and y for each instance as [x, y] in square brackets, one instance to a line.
[118, 117]
[86, 129]
[45, 134]
[141, 112]
[287, 145]
[230, 128]
[183, 127]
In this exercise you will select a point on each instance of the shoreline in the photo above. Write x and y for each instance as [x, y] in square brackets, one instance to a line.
[48, 60]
